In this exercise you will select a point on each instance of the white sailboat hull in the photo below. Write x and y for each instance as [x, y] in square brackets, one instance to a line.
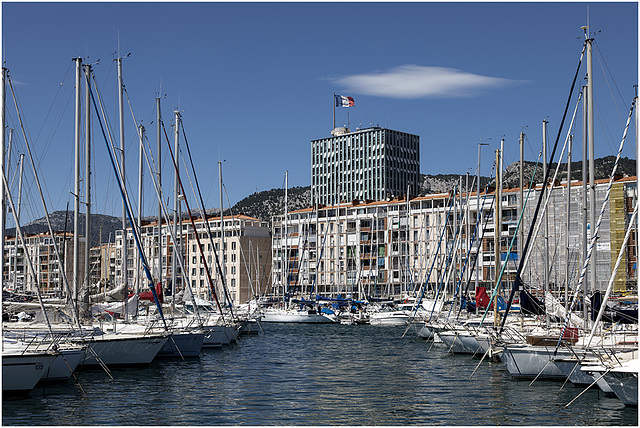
[21, 372]
[187, 344]
[303, 317]
[214, 337]
[622, 380]
[122, 349]
[63, 367]
[389, 318]
[529, 362]
[453, 341]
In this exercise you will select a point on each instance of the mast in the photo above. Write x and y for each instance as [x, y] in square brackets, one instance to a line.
[453, 243]
[496, 234]
[478, 221]
[406, 239]
[566, 272]
[3, 204]
[546, 218]
[459, 266]
[585, 215]
[286, 227]
[125, 280]
[467, 228]
[76, 195]
[337, 245]
[317, 274]
[222, 240]
[159, 172]
[15, 258]
[141, 131]
[592, 182]
[87, 186]
[176, 209]
[521, 201]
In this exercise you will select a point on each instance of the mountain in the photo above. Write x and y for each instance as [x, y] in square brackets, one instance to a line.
[103, 227]
[264, 205]
[602, 167]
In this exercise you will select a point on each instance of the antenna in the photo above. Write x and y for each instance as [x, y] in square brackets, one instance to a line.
[588, 23]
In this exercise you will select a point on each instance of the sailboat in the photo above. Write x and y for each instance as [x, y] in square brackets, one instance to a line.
[556, 353]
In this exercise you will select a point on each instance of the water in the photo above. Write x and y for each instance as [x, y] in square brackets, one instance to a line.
[315, 375]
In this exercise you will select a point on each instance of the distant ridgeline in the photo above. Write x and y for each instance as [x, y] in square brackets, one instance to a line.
[265, 204]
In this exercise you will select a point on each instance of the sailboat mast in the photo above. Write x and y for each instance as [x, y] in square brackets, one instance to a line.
[286, 227]
[496, 235]
[546, 218]
[222, 241]
[585, 215]
[478, 223]
[592, 182]
[3, 204]
[177, 207]
[159, 172]
[521, 201]
[15, 259]
[566, 272]
[76, 195]
[87, 186]
[467, 227]
[140, 176]
[125, 280]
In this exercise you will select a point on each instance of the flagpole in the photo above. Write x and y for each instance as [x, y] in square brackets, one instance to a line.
[334, 111]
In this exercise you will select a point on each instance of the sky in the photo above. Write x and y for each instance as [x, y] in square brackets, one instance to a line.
[254, 84]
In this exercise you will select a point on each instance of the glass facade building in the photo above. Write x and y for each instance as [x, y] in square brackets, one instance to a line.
[368, 164]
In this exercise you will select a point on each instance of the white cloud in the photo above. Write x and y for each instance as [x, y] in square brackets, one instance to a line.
[413, 81]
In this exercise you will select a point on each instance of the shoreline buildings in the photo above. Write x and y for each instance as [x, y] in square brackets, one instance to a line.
[365, 235]
[368, 249]
[391, 248]
[244, 261]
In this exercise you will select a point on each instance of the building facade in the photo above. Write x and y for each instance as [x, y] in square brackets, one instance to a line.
[368, 164]
[245, 261]
[40, 253]
[391, 248]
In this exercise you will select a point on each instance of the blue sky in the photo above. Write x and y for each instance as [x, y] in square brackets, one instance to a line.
[254, 82]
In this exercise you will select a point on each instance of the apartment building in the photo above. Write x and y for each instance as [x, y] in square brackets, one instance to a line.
[245, 261]
[390, 248]
[40, 253]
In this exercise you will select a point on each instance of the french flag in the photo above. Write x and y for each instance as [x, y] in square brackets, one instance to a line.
[342, 101]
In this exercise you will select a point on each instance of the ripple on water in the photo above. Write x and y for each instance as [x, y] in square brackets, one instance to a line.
[316, 375]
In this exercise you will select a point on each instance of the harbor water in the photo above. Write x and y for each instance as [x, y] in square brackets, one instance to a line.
[315, 375]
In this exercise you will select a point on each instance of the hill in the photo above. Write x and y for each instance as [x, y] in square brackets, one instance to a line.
[103, 227]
